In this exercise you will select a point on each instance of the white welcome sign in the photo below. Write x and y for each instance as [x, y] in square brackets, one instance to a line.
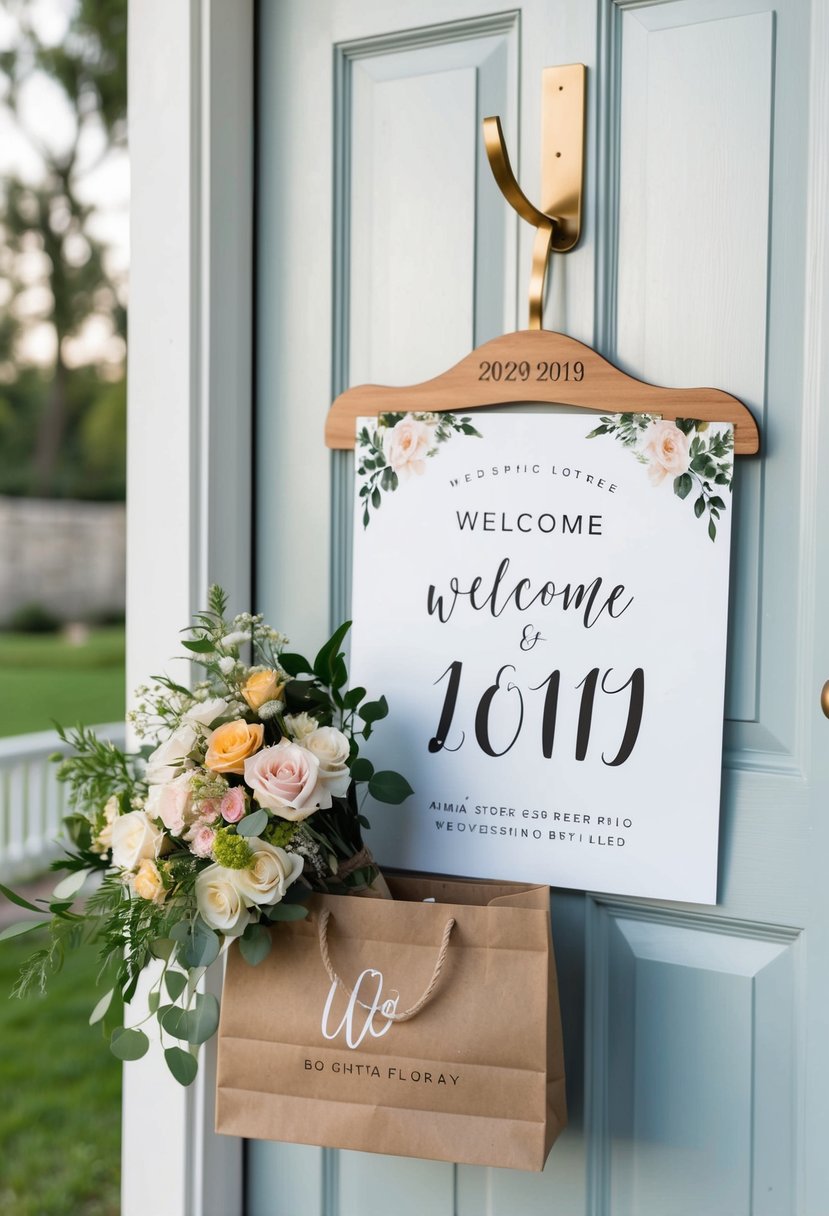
[543, 601]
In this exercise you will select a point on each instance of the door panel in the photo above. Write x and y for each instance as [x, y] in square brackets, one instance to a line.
[684, 1029]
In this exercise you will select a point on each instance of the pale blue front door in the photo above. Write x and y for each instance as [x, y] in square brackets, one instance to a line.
[698, 1067]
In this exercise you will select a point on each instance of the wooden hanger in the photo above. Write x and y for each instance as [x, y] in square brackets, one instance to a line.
[539, 366]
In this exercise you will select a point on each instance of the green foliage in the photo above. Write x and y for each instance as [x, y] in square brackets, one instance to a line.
[34, 618]
[255, 944]
[182, 1065]
[60, 1094]
[374, 472]
[48, 212]
[232, 851]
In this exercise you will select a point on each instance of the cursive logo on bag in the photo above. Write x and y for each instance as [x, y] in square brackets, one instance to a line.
[373, 1006]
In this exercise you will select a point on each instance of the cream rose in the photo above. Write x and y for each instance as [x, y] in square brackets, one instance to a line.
[667, 451]
[219, 902]
[205, 713]
[148, 884]
[406, 445]
[285, 779]
[134, 838]
[230, 745]
[172, 803]
[266, 879]
[262, 686]
[300, 725]
[168, 759]
[331, 748]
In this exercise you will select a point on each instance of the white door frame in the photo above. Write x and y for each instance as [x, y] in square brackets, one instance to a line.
[189, 516]
[189, 463]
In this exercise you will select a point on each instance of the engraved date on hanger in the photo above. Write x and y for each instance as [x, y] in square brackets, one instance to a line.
[524, 370]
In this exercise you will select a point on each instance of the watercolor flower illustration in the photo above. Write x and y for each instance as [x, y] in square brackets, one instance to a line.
[397, 447]
[698, 457]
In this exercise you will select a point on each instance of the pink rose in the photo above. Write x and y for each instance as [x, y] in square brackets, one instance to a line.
[406, 446]
[232, 806]
[667, 451]
[201, 844]
[172, 803]
[285, 779]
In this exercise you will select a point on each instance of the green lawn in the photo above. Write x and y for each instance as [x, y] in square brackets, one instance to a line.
[43, 678]
[60, 1095]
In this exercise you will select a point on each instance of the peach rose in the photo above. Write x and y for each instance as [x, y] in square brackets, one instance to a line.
[262, 686]
[406, 446]
[230, 745]
[286, 779]
[233, 806]
[667, 451]
[147, 883]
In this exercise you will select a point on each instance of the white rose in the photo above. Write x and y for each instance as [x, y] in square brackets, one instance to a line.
[134, 838]
[168, 759]
[219, 902]
[266, 879]
[406, 446]
[172, 803]
[331, 748]
[300, 725]
[205, 713]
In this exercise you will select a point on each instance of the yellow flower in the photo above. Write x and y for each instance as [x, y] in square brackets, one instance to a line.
[262, 686]
[231, 744]
[147, 882]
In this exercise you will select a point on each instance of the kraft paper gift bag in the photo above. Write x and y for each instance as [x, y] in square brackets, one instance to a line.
[417, 1029]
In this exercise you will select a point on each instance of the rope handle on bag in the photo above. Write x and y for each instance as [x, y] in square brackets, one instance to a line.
[406, 1014]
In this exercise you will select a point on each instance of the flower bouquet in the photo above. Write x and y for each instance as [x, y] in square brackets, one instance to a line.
[243, 801]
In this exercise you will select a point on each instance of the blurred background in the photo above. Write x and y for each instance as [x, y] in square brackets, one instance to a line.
[64, 196]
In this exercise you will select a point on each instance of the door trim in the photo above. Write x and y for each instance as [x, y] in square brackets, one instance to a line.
[189, 459]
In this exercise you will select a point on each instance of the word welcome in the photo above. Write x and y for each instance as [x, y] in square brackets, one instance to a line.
[526, 522]
[496, 599]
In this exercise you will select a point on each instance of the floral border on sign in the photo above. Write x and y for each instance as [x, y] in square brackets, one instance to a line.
[698, 457]
[397, 448]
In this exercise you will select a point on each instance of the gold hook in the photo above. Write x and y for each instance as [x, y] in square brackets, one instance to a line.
[562, 173]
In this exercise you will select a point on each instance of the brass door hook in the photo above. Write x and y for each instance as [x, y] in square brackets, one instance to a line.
[558, 222]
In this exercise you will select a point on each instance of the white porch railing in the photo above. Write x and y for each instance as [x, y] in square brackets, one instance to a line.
[32, 800]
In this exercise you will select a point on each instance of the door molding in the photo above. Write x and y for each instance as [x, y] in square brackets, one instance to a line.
[189, 459]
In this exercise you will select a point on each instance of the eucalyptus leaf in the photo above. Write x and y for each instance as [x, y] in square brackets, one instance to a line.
[21, 927]
[203, 1020]
[199, 945]
[162, 948]
[70, 885]
[362, 769]
[128, 1044]
[182, 1065]
[253, 824]
[175, 1021]
[19, 900]
[287, 912]
[353, 697]
[255, 944]
[175, 982]
[101, 1008]
[374, 711]
[390, 787]
[294, 664]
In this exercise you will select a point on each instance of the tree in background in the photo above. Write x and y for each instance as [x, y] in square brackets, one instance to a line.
[62, 405]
